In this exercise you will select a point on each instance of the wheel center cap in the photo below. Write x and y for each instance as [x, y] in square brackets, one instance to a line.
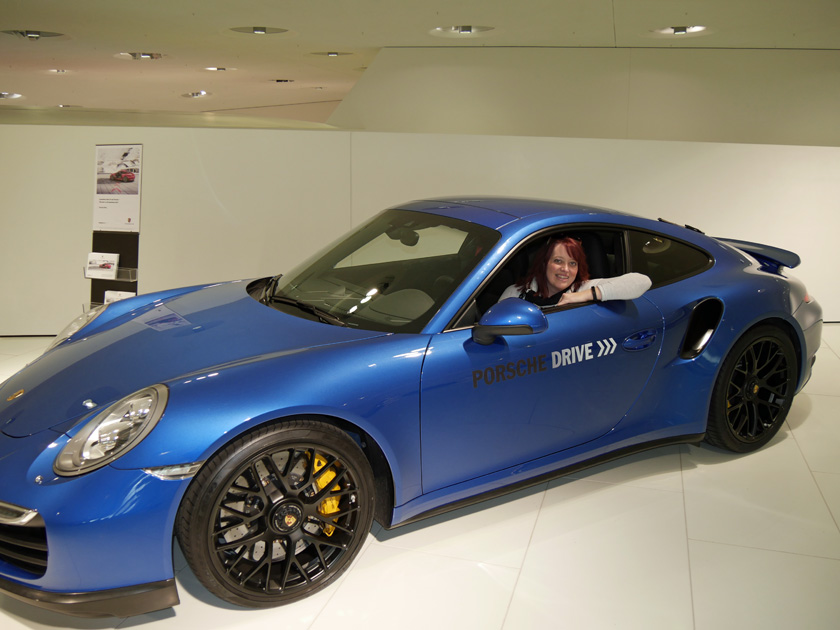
[287, 517]
[752, 389]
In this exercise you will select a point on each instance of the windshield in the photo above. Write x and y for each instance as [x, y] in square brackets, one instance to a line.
[392, 274]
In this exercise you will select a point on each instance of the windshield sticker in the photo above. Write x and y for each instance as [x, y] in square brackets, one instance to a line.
[162, 318]
[539, 363]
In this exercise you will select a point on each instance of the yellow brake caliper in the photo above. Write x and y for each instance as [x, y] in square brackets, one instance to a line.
[330, 504]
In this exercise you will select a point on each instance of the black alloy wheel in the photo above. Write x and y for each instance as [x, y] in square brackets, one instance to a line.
[277, 514]
[754, 391]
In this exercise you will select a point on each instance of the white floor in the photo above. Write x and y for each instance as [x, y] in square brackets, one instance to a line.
[680, 537]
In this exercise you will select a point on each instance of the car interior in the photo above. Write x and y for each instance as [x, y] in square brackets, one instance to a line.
[609, 252]
[604, 254]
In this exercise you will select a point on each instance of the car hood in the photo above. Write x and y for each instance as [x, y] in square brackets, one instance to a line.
[155, 342]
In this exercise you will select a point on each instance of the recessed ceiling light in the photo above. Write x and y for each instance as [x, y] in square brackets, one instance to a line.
[680, 30]
[140, 56]
[9, 95]
[332, 53]
[259, 30]
[32, 35]
[462, 31]
[199, 94]
[57, 71]
[67, 106]
[218, 69]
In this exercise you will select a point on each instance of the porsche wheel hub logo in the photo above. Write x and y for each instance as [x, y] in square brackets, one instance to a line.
[287, 517]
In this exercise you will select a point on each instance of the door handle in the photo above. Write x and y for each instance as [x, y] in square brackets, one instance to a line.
[640, 340]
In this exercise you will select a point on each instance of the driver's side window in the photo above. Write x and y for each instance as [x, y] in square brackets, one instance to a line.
[511, 272]
[604, 250]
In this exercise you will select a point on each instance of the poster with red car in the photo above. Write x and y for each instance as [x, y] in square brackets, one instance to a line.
[117, 193]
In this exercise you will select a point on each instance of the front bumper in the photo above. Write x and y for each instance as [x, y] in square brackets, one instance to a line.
[107, 536]
[118, 602]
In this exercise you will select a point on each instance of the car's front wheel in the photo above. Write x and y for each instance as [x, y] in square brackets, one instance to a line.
[277, 514]
[754, 391]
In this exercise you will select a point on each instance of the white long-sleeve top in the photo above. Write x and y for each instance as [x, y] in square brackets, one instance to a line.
[626, 287]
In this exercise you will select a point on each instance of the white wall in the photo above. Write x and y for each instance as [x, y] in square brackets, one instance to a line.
[698, 95]
[216, 205]
[227, 204]
[46, 217]
[220, 204]
[788, 196]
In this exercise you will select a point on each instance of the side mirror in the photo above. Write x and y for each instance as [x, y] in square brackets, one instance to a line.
[509, 317]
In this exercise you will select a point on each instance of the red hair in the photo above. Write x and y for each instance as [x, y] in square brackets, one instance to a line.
[538, 267]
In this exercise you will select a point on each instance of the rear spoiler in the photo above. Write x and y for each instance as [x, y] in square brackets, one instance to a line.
[767, 255]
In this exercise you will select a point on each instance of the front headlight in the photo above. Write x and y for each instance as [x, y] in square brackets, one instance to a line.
[113, 432]
[77, 324]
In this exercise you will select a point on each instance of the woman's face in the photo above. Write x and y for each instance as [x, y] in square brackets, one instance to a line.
[561, 270]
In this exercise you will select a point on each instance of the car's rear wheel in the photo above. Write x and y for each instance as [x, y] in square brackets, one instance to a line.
[754, 391]
[277, 514]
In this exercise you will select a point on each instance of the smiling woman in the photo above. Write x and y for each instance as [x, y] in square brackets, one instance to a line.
[559, 275]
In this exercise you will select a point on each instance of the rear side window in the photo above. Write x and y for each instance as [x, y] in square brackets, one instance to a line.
[662, 259]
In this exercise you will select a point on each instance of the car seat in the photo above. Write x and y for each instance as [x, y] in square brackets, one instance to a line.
[596, 255]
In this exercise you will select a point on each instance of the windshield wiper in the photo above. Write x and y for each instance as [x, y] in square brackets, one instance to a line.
[268, 289]
[325, 317]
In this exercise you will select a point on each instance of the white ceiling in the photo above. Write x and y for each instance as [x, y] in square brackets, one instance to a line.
[106, 87]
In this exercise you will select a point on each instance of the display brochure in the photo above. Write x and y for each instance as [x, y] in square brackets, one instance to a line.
[116, 206]
[116, 296]
[102, 266]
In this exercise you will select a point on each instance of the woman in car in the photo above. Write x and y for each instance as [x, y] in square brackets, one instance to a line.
[560, 275]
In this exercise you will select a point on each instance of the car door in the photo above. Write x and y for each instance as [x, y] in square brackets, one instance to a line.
[485, 408]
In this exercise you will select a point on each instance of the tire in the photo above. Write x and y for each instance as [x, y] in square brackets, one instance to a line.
[753, 392]
[277, 514]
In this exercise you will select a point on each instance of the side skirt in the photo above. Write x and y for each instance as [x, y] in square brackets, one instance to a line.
[560, 472]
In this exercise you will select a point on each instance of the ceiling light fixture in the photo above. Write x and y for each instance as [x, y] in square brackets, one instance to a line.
[463, 31]
[199, 94]
[141, 56]
[219, 69]
[332, 53]
[259, 30]
[32, 35]
[680, 30]
[9, 95]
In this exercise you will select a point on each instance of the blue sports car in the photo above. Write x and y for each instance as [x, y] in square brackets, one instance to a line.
[267, 423]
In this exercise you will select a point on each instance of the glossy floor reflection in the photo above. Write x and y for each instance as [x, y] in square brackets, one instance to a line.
[679, 537]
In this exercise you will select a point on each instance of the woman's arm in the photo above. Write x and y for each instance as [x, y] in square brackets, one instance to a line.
[626, 287]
